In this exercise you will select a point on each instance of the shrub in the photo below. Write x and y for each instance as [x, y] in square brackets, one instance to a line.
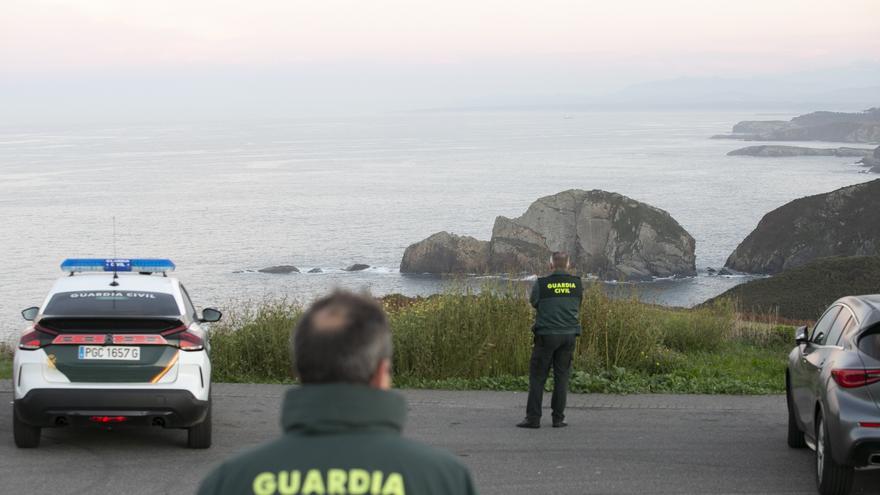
[463, 335]
[617, 333]
[485, 335]
[702, 329]
[253, 342]
[6, 352]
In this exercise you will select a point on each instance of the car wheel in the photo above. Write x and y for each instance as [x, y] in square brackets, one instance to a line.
[199, 436]
[831, 477]
[795, 435]
[25, 435]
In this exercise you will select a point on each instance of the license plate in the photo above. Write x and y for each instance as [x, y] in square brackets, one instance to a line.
[115, 353]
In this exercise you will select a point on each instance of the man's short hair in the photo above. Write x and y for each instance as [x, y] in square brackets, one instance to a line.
[341, 338]
[559, 259]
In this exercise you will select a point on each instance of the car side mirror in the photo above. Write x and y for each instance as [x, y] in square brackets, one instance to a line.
[30, 313]
[210, 315]
[800, 335]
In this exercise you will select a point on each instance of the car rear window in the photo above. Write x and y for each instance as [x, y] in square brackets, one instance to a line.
[86, 324]
[112, 303]
[870, 343]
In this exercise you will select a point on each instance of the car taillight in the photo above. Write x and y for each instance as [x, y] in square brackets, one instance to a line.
[35, 338]
[94, 339]
[855, 378]
[30, 341]
[189, 339]
[108, 419]
[148, 339]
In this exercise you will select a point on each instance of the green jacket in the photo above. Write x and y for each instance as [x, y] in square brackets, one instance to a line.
[557, 299]
[341, 439]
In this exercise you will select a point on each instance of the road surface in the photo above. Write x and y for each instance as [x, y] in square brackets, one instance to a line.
[638, 444]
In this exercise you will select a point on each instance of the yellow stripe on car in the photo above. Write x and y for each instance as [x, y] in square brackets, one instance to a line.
[165, 370]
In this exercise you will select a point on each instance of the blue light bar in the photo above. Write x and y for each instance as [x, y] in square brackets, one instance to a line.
[143, 265]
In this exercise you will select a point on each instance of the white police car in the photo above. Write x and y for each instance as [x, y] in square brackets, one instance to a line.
[122, 345]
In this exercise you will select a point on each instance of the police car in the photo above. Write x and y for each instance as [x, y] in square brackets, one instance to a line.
[116, 343]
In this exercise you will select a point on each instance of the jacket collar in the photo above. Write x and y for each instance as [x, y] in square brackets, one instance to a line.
[342, 407]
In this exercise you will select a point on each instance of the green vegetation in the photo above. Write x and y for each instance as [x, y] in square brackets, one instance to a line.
[5, 361]
[803, 293]
[252, 343]
[737, 369]
[462, 340]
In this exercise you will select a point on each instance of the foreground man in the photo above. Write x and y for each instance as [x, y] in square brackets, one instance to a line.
[557, 299]
[342, 426]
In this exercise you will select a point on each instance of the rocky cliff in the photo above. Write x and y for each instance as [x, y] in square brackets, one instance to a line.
[606, 234]
[446, 253]
[759, 126]
[845, 222]
[859, 127]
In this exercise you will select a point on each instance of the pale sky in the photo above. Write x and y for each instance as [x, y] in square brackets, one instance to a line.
[421, 52]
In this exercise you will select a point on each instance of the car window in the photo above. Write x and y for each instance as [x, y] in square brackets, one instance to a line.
[820, 331]
[870, 343]
[840, 323]
[187, 303]
[848, 330]
[106, 303]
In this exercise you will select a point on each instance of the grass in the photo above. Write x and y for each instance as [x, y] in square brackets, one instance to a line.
[468, 341]
[462, 340]
[5, 361]
[740, 369]
[252, 343]
[803, 293]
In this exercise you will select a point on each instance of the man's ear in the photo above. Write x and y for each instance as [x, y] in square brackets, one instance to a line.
[382, 377]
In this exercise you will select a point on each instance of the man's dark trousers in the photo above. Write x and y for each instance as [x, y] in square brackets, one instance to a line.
[555, 351]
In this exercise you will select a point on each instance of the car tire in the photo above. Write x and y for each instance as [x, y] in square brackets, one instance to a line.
[831, 477]
[795, 435]
[199, 436]
[25, 435]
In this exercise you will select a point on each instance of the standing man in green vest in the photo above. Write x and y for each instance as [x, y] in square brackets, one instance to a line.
[557, 299]
[342, 425]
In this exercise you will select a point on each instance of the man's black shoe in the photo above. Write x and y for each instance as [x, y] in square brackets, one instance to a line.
[559, 424]
[529, 424]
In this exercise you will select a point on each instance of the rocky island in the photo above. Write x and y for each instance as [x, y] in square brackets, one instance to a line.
[608, 235]
[858, 127]
[446, 253]
[771, 150]
[840, 223]
[279, 270]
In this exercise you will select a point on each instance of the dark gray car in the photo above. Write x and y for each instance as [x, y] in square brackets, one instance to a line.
[833, 391]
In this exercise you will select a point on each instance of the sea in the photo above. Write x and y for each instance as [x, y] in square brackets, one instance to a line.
[226, 198]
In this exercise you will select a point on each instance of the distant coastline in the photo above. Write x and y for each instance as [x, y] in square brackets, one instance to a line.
[859, 127]
[856, 127]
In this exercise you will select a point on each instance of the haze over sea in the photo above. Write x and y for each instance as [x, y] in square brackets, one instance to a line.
[223, 199]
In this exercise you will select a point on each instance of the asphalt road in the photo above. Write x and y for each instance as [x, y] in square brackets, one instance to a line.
[639, 444]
